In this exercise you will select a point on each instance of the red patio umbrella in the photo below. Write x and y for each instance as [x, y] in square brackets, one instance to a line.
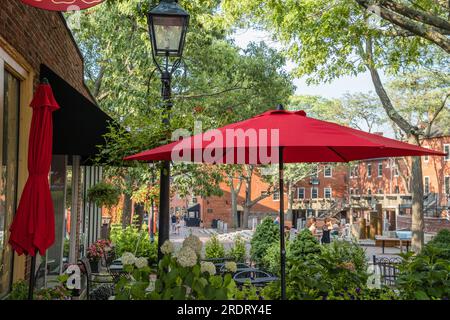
[33, 227]
[285, 137]
[62, 5]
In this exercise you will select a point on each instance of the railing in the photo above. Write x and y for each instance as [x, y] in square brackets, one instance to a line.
[387, 268]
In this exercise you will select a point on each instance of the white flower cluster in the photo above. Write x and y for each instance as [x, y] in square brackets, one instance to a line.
[141, 262]
[187, 257]
[231, 266]
[128, 258]
[208, 267]
[167, 247]
[194, 243]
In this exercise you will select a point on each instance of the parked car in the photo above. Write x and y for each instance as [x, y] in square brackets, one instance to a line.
[255, 276]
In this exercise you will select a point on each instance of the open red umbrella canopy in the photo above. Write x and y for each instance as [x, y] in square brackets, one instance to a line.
[62, 5]
[303, 139]
[33, 227]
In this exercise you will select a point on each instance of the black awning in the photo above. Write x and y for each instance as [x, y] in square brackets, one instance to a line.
[194, 208]
[79, 126]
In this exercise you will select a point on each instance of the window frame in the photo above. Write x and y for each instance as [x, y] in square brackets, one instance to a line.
[298, 193]
[325, 193]
[369, 170]
[446, 157]
[325, 171]
[426, 184]
[317, 192]
[380, 175]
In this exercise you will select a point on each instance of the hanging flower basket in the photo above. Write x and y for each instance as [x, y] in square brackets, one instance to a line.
[104, 194]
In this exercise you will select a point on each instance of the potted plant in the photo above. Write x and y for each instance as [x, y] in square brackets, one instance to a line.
[96, 252]
[104, 194]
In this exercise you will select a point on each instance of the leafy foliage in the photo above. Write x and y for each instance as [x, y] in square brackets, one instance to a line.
[214, 248]
[136, 241]
[266, 233]
[238, 251]
[104, 194]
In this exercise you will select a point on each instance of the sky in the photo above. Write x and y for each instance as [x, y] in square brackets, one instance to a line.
[336, 89]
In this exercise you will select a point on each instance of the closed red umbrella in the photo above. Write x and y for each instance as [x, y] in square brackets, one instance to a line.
[33, 227]
[62, 5]
[281, 136]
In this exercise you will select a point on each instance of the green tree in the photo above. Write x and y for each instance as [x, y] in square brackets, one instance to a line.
[332, 39]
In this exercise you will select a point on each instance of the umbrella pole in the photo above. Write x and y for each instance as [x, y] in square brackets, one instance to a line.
[32, 277]
[282, 239]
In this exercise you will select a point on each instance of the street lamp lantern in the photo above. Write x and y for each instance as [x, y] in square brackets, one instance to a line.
[168, 23]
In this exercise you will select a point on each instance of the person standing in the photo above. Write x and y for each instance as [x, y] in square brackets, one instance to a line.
[313, 226]
[326, 229]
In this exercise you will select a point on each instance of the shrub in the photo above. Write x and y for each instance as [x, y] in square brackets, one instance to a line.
[238, 252]
[271, 260]
[19, 290]
[304, 246]
[133, 240]
[266, 233]
[425, 276]
[439, 246]
[214, 248]
[323, 272]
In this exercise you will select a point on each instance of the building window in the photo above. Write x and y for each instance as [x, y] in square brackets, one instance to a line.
[328, 173]
[369, 192]
[351, 190]
[369, 170]
[447, 185]
[396, 173]
[327, 193]
[209, 210]
[356, 191]
[397, 190]
[301, 193]
[447, 151]
[315, 172]
[380, 191]
[380, 169]
[426, 185]
[354, 171]
[9, 141]
[427, 157]
[314, 193]
[276, 196]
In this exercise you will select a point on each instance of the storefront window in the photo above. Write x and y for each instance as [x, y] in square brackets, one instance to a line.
[9, 125]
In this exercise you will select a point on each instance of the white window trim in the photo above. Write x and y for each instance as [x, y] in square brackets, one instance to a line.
[378, 170]
[396, 171]
[369, 175]
[298, 193]
[325, 172]
[426, 158]
[314, 188]
[447, 157]
[331, 193]
[425, 178]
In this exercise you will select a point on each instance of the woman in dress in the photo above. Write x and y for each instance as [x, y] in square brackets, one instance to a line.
[326, 229]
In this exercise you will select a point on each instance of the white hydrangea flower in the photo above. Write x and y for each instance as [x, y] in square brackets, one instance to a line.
[167, 247]
[128, 258]
[194, 243]
[187, 257]
[231, 266]
[141, 263]
[208, 267]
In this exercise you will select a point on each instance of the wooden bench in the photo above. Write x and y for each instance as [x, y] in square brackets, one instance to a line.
[392, 242]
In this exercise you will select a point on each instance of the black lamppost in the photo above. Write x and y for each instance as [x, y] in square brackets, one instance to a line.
[167, 24]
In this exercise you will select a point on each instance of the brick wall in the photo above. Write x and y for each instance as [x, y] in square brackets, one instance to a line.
[432, 225]
[41, 37]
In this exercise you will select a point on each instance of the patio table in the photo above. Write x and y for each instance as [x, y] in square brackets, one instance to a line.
[401, 241]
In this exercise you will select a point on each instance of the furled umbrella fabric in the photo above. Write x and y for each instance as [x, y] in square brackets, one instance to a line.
[62, 5]
[33, 227]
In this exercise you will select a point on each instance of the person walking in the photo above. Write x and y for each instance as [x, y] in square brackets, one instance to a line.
[174, 222]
